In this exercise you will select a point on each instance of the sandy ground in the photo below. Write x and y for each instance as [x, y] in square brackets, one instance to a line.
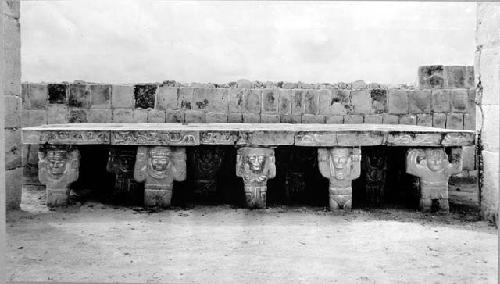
[213, 244]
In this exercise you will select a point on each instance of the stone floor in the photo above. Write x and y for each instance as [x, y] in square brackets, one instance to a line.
[208, 244]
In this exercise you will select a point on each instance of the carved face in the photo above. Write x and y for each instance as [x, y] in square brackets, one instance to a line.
[159, 163]
[256, 162]
[341, 162]
[56, 165]
[435, 160]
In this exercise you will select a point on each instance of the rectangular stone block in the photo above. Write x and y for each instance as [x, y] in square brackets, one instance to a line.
[34, 117]
[174, 116]
[353, 118]
[100, 96]
[100, 116]
[13, 190]
[235, 118]
[390, 119]
[469, 158]
[156, 116]
[373, 118]
[469, 77]
[57, 93]
[194, 116]
[13, 149]
[455, 76]
[455, 121]
[185, 98]
[269, 118]
[38, 96]
[122, 96]
[57, 113]
[441, 101]
[311, 118]
[419, 101]
[335, 102]
[378, 100]
[270, 100]
[214, 117]
[285, 101]
[12, 111]
[325, 101]
[311, 102]
[335, 119]
[79, 96]
[361, 101]
[251, 118]
[237, 99]
[409, 119]
[430, 77]
[167, 98]
[77, 115]
[211, 100]
[123, 115]
[459, 100]
[439, 120]
[253, 101]
[397, 101]
[291, 118]
[469, 121]
[298, 102]
[424, 119]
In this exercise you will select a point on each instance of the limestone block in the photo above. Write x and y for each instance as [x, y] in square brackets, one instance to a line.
[424, 119]
[13, 149]
[100, 116]
[311, 102]
[379, 100]
[270, 99]
[79, 95]
[38, 96]
[439, 120]
[215, 117]
[361, 101]
[167, 98]
[174, 116]
[292, 118]
[285, 101]
[123, 115]
[251, 118]
[325, 102]
[57, 113]
[469, 77]
[13, 106]
[34, 117]
[335, 119]
[57, 93]
[409, 119]
[210, 99]
[353, 118]
[469, 154]
[311, 118]
[397, 101]
[253, 101]
[455, 121]
[145, 95]
[298, 101]
[13, 191]
[459, 100]
[373, 118]
[469, 121]
[122, 96]
[100, 96]
[419, 101]
[490, 135]
[195, 116]
[235, 118]
[237, 99]
[455, 76]
[76, 115]
[430, 77]
[269, 118]
[390, 119]
[156, 116]
[441, 101]
[489, 191]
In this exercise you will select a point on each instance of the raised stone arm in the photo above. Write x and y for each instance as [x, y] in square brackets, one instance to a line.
[355, 163]
[414, 158]
[140, 167]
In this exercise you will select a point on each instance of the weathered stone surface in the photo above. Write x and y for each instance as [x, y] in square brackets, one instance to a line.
[289, 85]
[424, 119]
[12, 149]
[237, 99]
[34, 117]
[311, 118]
[441, 101]
[255, 166]
[490, 134]
[270, 99]
[57, 113]
[455, 121]
[174, 116]
[253, 101]
[122, 96]
[195, 116]
[378, 100]
[469, 121]
[99, 115]
[353, 118]
[469, 77]
[13, 106]
[489, 194]
[459, 100]
[235, 118]
[269, 118]
[390, 119]
[213, 117]
[156, 115]
[57, 93]
[358, 84]
[373, 118]
[311, 102]
[469, 158]
[13, 191]
[409, 119]
[79, 96]
[100, 96]
[123, 115]
[38, 96]
[145, 95]
[141, 115]
[244, 84]
[285, 102]
[432, 167]
[419, 101]
[251, 118]
[397, 101]
[76, 115]
[455, 76]
[335, 119]
[361, 101]
[158, 167]
[439, 120]
[167, 98]
[58, 167]
[210, 99]
[340, 166]
[298, 102]
[291, 118]
[431, 77]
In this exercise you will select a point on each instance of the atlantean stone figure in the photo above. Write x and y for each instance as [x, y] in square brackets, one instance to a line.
[341, 166]
[159, 166]
[431, 165]
[255, 166]
[58, 167]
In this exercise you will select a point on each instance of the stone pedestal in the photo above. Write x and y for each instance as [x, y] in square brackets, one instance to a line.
[431, 165]
[58, 167]
[158, 167]
[121, 162]
[255, 165]
[340, 165]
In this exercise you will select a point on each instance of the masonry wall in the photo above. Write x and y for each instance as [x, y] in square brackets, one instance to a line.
[11, 96]
[488, 66]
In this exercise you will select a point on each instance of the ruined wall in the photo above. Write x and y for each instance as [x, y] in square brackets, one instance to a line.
[488, 73]
[11, 63]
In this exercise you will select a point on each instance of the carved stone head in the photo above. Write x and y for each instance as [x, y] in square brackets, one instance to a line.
[341, 162]
[56, 163]
[436, 159]
[159, 161]
[255, 162]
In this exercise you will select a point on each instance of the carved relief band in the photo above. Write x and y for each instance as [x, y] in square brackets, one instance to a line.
[341, 165]
[143, 137]
[158, 167]
[431, 165]
[255, 165]
[58, 167]
[121, 162]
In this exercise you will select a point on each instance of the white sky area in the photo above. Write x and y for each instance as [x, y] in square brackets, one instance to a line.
[150, 41]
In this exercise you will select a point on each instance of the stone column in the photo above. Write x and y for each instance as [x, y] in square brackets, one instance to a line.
[121, 163]
[158, 167]
[58, 167]
[341, 166]
[431, 165]
[255, 165]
